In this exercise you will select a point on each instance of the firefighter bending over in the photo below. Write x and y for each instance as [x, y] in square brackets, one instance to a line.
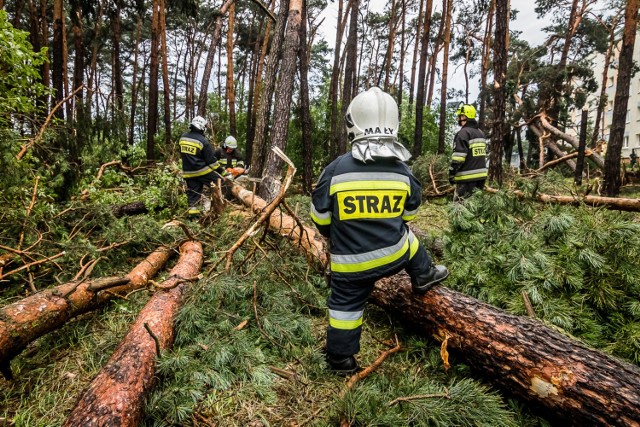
[362, 203]
[230, 157]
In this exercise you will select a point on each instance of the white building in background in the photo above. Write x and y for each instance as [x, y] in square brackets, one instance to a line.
[632, 126]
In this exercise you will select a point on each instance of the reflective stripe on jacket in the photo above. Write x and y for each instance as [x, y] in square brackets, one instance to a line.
[363, 209]
[231, 160]
[468, 160]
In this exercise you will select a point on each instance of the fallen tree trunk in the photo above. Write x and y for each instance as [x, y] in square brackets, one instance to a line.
[571, 382]
[575, 143]
[284, 224]
[32, 317]
[623, 204]
[115, 396]
[129, 209]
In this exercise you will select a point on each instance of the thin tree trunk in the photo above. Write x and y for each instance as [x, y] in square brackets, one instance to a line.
[333, 85]
[93, 70]
[305, 112]
[578, 385]
[612, 179]
[230, 91]
[500, 58]
[420, 95]
[264, 107]
[447, 5]
[484, 67]
[414, 61]
[270, 185]
[154, 54]
[433, 62]
[166, 87]
[117, 394]
[206, 75]
[391, 45]
[58, 55]
[134, 82]
[351, 53]
[79, 65]
[402, 55]
[24, 321]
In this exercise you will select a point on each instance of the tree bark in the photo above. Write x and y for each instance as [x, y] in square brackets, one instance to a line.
[282, 110]
[32, 317]
[567, 380]
[575, 143]
[422, 72]
[484, 64]
[612, 179]
[152, 118]
[500, 60]
[305, 110]
[448, 6]
[414, 60]
[230, 92]
[390, 45]
[128, 209]
[57, 51]
[350, 74]
[166, 87]
[116, 395]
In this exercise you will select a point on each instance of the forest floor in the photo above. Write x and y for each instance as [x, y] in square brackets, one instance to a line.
[248, 350]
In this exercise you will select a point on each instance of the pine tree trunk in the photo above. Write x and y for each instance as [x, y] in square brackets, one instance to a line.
[351, 53]
[206, 75]
[414, 61]
[433, 61]
[403, 29]
[500, 59]
[422, 72]
[567, 380]
[270, 184]
[154, 54]
[266, 94]
[134, 81]
[230, 92]
[612, 179]
[447, 5]
[305, 110]
[32, 317]
[166, 86]
[602, 99]
[57, 54]
[333, 85]
[390, 46]
[78, 66]
[116, 396]
[484, 65]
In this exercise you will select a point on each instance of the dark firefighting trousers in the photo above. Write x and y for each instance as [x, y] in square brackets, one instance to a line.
[196, 186]
[349, 295]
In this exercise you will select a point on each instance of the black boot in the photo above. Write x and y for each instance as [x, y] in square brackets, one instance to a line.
[342, 365]
[422, 283]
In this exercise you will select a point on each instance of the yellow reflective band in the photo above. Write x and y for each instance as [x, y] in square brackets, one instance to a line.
[197, 173]
[458, 159]
[408, 217]
[368, 265]
[320, 221]
[414, 247]
[345, 324]
[469, 177]
[371, 204]
[369, 185]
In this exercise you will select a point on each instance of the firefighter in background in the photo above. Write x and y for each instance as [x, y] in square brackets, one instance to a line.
[362, 202]
[200, 166]
[230, 157]
[468, 169]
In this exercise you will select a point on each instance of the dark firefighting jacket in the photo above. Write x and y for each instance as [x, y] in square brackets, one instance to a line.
[363, 210]
[230, 160]
[198, 157]
[468, 162]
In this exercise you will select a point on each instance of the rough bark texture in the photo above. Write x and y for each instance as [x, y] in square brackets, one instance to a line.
[284, 224]
[575, 142]
[32, 317]
[116, 395]
[128, 209]
[570, 382]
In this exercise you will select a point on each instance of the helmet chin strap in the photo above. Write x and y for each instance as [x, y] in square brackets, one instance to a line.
[367, 150]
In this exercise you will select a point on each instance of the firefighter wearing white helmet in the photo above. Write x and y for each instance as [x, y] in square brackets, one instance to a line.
[200, 165]
[231, 157]
[362, 203]
[468, 169]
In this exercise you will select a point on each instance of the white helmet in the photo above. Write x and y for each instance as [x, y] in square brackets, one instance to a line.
[372, 114]
[230, 142]
[199, 123]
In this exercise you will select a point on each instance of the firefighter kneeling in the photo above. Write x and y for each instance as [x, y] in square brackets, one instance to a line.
[362, 203]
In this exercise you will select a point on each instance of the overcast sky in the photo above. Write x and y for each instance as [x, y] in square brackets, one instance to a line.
[527, 22]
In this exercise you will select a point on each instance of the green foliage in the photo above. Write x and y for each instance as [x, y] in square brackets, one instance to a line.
[579, 266]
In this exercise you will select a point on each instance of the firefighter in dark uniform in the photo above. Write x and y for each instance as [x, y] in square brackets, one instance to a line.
[200, 166]
[468, 169]
[362, 202]
[230, 157]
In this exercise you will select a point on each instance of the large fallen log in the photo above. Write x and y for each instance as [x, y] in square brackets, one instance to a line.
[23, 321]
[569, 381]
[575, 143]
[623, 204]
[115, 396]
[286, 225]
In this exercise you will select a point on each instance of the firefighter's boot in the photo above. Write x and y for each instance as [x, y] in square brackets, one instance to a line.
[342, 365]
[422, 283]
